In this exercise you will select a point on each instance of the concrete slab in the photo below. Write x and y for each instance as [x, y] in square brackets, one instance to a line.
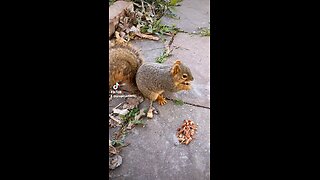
[193, 14]
[149, 49]
[116, 10]
[147, 45]
[154, 151]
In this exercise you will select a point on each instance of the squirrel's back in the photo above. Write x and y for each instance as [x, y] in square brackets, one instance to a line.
[154, 76]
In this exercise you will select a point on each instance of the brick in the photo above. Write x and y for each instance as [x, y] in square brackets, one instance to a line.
[116, 10]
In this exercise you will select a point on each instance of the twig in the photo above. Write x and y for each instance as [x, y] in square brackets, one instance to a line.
[147, 36]
[137, 4]
[113, 118]
[118, 105]
[142, 5]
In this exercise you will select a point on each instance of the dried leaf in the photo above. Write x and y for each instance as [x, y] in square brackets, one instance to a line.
[130, 126]
[146, 36]
[112, 149]
[121, 111]
[115, 161]
[132, 102]
[141, 113]
[113, 122]
[134, 29]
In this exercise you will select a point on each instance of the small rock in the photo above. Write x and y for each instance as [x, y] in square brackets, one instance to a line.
[122, 34]
[155, 112]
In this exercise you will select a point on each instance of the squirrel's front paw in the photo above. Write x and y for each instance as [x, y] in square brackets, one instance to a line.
[161, 100]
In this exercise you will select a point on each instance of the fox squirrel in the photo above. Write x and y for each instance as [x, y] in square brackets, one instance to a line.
[151, 79]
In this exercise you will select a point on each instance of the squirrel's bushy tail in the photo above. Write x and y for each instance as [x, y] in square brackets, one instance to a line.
[124, 62]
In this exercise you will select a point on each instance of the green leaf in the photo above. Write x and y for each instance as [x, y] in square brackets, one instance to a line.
[173, 2]
[157, 23]
[123, 117]
[172, 9]
[178, 102]
[150, 30]
[116, 143]
[137, 122]
[133, 112]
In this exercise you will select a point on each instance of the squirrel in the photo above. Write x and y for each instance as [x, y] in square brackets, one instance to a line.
[151, 79]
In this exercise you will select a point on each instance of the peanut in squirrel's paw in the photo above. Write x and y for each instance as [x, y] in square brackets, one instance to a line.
[161, 100]
[150, 113]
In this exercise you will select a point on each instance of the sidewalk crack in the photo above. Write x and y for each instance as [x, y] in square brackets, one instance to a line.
[196, 105]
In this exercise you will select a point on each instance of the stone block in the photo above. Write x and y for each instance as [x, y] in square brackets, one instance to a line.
[116, 10]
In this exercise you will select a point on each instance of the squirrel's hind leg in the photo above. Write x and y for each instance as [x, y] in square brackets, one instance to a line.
[152, 97]
[150, 105]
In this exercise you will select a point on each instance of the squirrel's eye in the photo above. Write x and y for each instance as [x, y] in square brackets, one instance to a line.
[184, 76]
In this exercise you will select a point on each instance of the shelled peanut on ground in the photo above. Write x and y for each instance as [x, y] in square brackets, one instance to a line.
[186, 132]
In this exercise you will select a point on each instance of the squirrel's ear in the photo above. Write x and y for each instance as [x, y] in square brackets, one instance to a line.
[175, 69]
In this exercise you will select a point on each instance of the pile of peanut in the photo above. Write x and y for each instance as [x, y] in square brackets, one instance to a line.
[186, 132]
